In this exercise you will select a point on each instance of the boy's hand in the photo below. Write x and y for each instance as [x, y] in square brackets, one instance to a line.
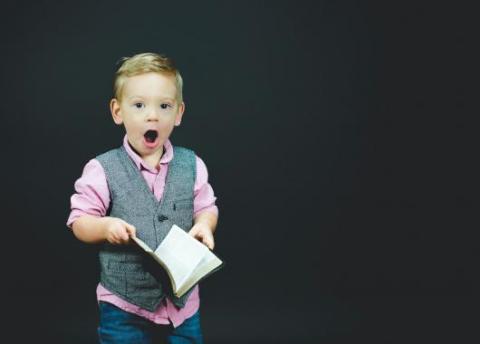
[203, 233]
[117, 231]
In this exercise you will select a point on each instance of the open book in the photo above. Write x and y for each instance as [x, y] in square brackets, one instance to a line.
[185, 259]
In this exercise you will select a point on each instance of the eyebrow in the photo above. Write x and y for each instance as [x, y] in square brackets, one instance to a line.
[163, 98]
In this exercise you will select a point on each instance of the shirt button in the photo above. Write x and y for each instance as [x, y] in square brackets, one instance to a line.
[162, 218]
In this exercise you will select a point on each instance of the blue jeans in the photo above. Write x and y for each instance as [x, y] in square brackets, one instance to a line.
[118, 326]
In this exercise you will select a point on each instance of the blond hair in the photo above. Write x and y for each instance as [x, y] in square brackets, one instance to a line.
[145, 63]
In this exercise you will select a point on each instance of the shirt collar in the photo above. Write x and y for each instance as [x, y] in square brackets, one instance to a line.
[140, 163]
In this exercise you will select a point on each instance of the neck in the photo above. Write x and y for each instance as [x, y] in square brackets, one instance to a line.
[153, 160]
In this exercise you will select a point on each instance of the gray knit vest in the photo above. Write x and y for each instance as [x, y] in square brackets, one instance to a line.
[124, 269]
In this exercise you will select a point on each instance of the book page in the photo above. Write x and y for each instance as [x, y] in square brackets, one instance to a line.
[181, 253]
[148, 250]
[142, 244]
[209, 262]
[185, 259]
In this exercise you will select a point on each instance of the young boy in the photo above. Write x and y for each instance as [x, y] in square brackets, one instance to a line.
[141, 189]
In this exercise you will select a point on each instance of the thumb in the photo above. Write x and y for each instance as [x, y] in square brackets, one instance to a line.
[208, 241]
[131, 230]
[193, 231]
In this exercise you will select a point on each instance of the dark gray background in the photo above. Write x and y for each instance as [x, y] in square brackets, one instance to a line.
[341, 140]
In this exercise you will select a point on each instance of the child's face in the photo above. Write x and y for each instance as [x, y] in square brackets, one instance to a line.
[149, 110]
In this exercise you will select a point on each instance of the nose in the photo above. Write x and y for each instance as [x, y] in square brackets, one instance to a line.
[152, 115]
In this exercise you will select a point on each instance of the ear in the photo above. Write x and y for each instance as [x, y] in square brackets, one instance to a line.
[179, 115]
[115, 111]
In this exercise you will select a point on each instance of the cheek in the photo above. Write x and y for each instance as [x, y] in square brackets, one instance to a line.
[132, 126]
[166, 128]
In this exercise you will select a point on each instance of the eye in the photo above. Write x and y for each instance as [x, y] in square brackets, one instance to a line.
[165, 106]
[138, 105]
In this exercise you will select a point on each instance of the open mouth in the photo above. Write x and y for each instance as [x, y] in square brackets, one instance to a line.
[150, 136]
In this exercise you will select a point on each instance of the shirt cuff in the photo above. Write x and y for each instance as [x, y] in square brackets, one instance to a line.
[211, 209]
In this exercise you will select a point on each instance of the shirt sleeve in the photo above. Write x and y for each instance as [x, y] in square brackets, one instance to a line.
[92, 195]
[204, 198]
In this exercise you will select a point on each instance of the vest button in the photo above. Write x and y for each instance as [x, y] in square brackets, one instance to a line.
[162, 218]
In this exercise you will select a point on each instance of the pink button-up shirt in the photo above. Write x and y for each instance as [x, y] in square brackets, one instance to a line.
[93, 197]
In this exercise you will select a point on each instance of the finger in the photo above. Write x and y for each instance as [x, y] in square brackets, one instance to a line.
[122, 235]
[131, 230]
[199, 236]
[111, 239]
[208, 242]
[116, 239]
